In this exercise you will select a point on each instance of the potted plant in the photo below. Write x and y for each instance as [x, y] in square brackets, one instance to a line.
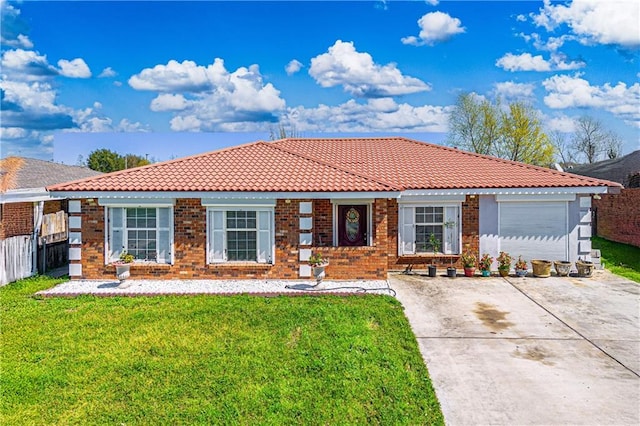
[521, 267]
[562, 267]
[485, 264]
[435, 246]
[123, 266]
[318, 263]
[541, 268]
[585, 268]
[504, 263]
[469, 262]
[451, 270]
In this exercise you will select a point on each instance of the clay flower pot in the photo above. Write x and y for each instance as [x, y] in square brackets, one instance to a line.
[585, 268]
[562, 267]
[541, 268]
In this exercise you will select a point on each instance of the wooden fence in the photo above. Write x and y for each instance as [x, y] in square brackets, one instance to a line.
[15, 258]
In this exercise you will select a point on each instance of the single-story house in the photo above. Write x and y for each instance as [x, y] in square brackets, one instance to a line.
[31, 217]
[370, 205]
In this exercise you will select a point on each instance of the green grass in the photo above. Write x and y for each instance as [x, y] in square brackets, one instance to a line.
[209, 360]
[621, 259]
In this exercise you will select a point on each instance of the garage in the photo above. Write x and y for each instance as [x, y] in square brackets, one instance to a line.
[535, 230]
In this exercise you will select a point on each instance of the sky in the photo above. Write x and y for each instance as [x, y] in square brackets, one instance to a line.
[166, 79]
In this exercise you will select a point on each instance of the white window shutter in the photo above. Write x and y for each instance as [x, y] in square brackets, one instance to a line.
[116, 233]
[451, 217]
[264, 237]
[216, 247]
[164, 236]
[407, 230]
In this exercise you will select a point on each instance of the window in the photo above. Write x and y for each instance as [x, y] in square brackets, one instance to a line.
[429, 229]
[144, 232]
[421, 224]
[240, 235]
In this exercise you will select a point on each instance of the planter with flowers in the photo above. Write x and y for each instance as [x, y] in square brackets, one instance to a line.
[485, 264]
[469, 262]
[504, 263]
[318, 263]
[521, 267]
[123, 266]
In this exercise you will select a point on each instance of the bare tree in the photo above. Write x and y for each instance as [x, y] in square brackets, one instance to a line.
[564, 149]
[281, 132]
[592, 139]
[613, 146]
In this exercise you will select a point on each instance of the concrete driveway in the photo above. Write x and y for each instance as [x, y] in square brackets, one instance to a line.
[523, 351]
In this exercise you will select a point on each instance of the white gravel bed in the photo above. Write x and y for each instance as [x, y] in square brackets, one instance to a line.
[151, 287]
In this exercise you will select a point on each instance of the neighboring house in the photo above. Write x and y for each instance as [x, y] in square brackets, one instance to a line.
[369, 205]
[30, 217]
[616, 217]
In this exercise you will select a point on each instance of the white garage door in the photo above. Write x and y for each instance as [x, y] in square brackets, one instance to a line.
[534, 230]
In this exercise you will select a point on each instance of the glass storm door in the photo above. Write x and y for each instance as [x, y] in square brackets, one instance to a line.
[352, 225]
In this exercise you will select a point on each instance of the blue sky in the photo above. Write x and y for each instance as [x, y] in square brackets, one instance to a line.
[167, 79]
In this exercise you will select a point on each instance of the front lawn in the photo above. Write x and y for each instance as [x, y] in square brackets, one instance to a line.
[621, 259]
[209, 360]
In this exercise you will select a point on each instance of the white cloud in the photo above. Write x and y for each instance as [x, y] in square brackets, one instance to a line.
[168, 102]
[595, 21]
[26, 65]
[215, 95]
[76, 68]
[435, 27]
[293, 67]
[359, 75]
[575, 92]
[107, 72]
[374, 115]
[128, 126]
[561, 123]
[12, 133]
[187, 123]
[432, 2]
[527, 62]
[514, 91]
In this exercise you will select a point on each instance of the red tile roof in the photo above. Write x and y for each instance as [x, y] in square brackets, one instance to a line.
[332, 165]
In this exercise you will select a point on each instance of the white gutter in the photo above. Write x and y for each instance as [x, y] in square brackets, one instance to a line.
[506, 191]
[26, 195]
[222, 195]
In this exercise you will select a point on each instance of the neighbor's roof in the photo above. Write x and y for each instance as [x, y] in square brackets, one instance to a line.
[618, 169]
[331, 165]
[19, 173]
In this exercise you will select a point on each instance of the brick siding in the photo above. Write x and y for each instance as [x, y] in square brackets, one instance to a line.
[17, 219]
[618, 216]
[190, 246]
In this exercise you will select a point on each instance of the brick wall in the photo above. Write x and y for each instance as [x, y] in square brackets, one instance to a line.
[617, 216]
[17, 219]
[190, 246]
[470, 238]
[55, 206]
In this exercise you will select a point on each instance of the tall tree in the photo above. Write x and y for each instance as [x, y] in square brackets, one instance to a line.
[564, 149]
[104, 160]
[473, 124]
[522, 137]
[481, 126]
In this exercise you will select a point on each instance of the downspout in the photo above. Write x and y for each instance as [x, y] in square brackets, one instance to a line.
[38, 210]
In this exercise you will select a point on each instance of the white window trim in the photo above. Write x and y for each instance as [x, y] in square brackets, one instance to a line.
[411, 207]
[243, 207]
[109, 229]
[353, 202]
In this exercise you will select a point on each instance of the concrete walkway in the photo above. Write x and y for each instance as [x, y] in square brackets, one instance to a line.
[529, 351]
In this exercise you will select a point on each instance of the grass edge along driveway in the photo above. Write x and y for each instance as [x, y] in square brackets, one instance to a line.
[209, 359]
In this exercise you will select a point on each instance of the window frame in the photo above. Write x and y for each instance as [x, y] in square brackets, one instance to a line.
[407, 228]
[262, 232]
[110, 255]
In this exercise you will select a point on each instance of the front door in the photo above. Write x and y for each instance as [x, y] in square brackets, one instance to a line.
[352, 225]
